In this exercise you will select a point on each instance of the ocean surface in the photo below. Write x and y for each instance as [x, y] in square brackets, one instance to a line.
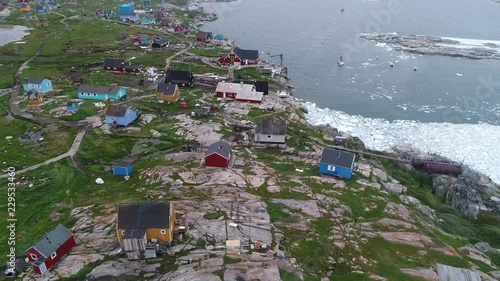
[449, 106]
[11, 33]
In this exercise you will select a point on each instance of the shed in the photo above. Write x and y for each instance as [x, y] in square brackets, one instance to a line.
[218, 155]
[50, 248]
[122, 168]
[336, 163]
[218, 37]
[167, 92]
[70, 106]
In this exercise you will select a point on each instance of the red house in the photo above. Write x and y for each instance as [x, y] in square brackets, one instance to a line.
[218, 155]
[50, 248]
[181, 28]
[231, 90]
[202, 37]
[240, 56]
[118, 66]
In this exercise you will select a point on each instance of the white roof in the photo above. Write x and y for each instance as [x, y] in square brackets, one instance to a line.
[232, 87]
[249, 94]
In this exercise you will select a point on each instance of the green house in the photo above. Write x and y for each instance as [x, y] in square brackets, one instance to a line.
[101, 93]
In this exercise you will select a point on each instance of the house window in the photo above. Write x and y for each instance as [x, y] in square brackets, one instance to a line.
[269, 136]
[34, 257]
[331, 168]
[54, 254]
[163, 231]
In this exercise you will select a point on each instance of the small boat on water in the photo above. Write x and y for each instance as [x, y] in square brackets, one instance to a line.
[340, 61]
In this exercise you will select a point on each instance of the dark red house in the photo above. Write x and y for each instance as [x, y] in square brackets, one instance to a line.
[50, 248]
[181, 28]
[202, 37]
[118, 66]
[240, 56]
[218, 155]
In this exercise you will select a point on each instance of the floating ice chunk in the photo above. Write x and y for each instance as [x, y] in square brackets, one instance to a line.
[459, 74]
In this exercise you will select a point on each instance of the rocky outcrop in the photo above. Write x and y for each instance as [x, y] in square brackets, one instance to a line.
[468, 196]
[438, 46]
[446, 273]
[423, 273]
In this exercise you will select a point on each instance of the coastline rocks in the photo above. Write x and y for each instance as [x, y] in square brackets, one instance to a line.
[466, 195]
[120, 268]
[436, 45]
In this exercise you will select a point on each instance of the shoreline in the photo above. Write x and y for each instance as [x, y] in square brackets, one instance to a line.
[20, 33]
[307, 105]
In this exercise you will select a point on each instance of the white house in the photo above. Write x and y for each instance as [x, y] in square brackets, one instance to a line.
[271, 131]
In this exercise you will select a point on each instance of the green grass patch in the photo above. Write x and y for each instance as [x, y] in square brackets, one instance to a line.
[323, 226]
[208, 52]
[213, 216]
[230, 260]
[277, 214]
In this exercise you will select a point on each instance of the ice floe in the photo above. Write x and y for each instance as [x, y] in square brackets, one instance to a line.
[472, 144]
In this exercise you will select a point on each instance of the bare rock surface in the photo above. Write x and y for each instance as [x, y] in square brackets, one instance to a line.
[423, 273]
[409, 238]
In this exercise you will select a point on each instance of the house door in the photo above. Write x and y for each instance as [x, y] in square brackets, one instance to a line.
[42, 268]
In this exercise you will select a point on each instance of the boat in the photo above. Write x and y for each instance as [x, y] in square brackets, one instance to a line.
[340, 61]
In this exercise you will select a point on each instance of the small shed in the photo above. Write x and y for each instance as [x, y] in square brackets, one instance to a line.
[218, 155]
[184, 105]
[70, 106]
[218, 37]
[122, 168]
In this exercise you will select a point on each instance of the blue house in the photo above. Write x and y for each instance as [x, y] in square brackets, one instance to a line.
[122, 168]
[120, 115]
[27, 15]
[70, 106]
[38, 85]
[39, 9]
[101, 93]
[336, 163]
[125, 9]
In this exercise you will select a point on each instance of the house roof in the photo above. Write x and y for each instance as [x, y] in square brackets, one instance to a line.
[97, 89]
[70, 103]
[34, 80]
[122, 163]
[272, 126]
[144, 215]
[201, 34]
[178, 75]
[232, 87]
[161, 41]
[39, 7]
[337, 157]
[132, 66]
[249, 94]
[113, 62]
[221, 148]
[116, 110]
[246, 54]
[33, 95]
[134, 233]
[260, 86]
[52, 240]
[166, 89]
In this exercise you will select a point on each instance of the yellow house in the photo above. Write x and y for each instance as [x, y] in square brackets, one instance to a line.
[25, 8]
[145, 228]
[35, 98]
[167, 92]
